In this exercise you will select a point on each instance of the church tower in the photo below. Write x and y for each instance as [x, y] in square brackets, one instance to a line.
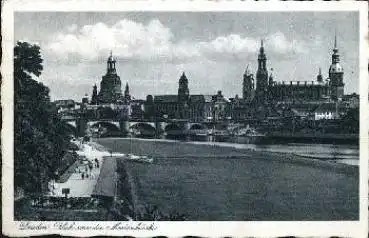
[336, 74]
[127, 96]
[271, 79]
[183, 97]
[94, 99]
[248, 85]
[319, 77]
[110, 86]
[183, 91]
[270, 86]
[261, 76]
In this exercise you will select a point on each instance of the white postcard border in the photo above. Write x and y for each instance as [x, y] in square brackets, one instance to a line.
[213, 229]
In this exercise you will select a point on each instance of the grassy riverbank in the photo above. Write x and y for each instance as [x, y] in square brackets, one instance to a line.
[207, 182]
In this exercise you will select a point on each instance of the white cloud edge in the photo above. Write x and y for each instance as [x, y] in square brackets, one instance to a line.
[155, 42]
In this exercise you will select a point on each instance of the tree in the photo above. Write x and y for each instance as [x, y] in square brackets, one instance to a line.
[351, 121]
[40, 140]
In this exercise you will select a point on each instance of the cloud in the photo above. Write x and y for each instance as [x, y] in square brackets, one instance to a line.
[72, 28]
[154, 42]
[280, 44]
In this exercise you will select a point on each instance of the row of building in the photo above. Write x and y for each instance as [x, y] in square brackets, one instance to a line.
[262, 97]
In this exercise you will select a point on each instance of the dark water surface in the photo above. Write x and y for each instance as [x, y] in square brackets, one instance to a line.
[207, 182]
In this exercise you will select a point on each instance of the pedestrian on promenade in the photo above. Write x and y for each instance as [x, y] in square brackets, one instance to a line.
[83, 176]
[86, 175]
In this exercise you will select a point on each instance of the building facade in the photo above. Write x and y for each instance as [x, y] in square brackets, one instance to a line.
[268, 90]
[110, 87]
[196, 108]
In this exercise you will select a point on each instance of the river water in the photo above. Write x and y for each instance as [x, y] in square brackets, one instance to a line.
[348, 154]
[227, 181]
[338, 153]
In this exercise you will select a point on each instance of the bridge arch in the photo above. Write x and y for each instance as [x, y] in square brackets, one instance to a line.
[143, 129]
[70, 128]
[173, 127]
[110, 127]
[142, 125]
[198, 126]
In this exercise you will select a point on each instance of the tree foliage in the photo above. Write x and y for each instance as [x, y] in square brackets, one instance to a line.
[40, 140]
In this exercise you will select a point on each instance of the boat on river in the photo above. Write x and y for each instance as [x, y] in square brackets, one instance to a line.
[248, 132]
[139, 158]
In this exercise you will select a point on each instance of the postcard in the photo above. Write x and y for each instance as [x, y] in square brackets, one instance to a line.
[242, 119]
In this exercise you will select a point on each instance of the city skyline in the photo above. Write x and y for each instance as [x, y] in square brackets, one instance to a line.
[152, 51]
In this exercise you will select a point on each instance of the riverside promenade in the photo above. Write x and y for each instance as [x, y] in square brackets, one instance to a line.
[211, 182]
[95, 183]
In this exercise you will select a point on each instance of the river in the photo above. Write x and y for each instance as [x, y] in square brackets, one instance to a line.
[227, 181]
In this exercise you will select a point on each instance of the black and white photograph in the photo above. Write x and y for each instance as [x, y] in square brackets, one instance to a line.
[127, 116]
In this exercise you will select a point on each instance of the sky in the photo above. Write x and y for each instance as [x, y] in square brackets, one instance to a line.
[213, 49]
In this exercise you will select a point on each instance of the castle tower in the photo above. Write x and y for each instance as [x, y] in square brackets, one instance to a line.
[127, 96]
[183, 91]
[319, 77]
[270, 85]
[261, 76]
[183, 96]
[271, 78]
[248, 85]
[110, 86]
[336, 74]
[94, 99]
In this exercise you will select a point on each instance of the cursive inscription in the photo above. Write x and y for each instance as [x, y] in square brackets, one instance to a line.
[138, 226]
[34, 226]
[68, 226]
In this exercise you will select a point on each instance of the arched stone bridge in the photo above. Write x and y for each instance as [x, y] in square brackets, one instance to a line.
[80, 127]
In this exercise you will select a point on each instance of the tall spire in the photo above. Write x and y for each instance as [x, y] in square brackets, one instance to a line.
[127, 95]
[261, 75]
[262, 58]
[262, 47]
[335, 55]
[336, 74]
[247, 70]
